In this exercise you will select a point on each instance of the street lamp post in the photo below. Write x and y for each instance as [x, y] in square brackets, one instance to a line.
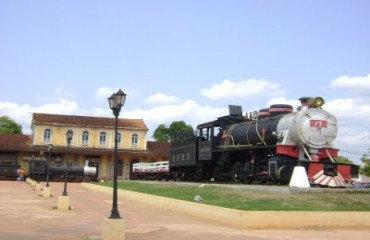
[69, 136]
[116, 101]
[47, 166]
[33, 165]
[38, 169]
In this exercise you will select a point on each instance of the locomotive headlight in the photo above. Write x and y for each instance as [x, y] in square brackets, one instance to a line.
[318, 102]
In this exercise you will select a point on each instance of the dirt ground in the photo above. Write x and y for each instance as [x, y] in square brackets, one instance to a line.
[24, 214]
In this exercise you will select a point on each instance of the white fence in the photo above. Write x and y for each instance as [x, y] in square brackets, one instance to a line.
[151, 167]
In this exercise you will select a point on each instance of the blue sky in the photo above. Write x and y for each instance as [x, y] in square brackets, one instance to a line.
[186, 60]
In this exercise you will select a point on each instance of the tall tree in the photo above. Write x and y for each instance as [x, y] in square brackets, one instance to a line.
[365, 169]
[341, 159]
[176, 128]
[161, 133]
[180, 128]
[8, 125]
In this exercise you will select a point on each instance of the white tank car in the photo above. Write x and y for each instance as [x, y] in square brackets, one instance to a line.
[310, 128]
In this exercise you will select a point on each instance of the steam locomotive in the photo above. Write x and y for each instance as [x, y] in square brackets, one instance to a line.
[38, 169]
[264, 147]
[8, 171]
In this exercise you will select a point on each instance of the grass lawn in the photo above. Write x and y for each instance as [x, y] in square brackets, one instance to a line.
[256, 200]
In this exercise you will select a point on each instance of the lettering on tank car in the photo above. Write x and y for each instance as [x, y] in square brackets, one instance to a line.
[318, 123]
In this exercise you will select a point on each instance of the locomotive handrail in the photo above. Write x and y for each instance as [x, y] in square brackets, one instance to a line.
[305, 151]
[249, 126]
[262, 140]
[331, 158]
[229, 136]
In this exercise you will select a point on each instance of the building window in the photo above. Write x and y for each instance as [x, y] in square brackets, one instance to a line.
[134, 140]
[47, 136]
[103, 138]
[118, 139]
[85, 138]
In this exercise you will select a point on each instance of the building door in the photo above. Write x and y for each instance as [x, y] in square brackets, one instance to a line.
[126, 170]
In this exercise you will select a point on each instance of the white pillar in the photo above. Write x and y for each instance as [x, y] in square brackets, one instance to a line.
[46, 192]
[299, 178]
[113, 229]
[63, 203]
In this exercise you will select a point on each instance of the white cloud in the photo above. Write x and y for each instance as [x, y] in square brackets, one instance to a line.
[353, 138]
[62, 92]
[353, 121]
[188, 111]
[358, 84]
[349, 109]
[352, 144]
[160, 98]
[22, 114]
[246, 88]
[282, 100]
[61, 107]
[105, 92]
[99, 112]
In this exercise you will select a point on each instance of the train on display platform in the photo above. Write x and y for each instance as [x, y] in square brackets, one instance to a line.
[8, 171]
[38, 169]
[261, 147]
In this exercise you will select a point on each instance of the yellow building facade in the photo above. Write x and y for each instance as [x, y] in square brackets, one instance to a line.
[93, 140]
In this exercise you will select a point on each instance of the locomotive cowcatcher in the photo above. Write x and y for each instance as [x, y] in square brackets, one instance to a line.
[263, 147]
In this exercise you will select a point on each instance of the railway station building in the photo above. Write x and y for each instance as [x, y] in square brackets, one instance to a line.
[93, 141]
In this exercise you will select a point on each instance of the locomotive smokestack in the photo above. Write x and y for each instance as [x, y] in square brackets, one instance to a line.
[304, 101]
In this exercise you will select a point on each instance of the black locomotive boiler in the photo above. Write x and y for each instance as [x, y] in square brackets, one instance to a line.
[264, 147]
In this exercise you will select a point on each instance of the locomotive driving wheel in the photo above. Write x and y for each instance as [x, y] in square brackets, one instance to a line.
[259, 179]
[237, 173]
[248, 174]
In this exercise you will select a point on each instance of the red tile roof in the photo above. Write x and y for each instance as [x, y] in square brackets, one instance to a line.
[15, 142]
[158, 149]
[72, 120]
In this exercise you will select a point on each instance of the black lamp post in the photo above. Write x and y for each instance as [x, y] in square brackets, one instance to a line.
[116, 101]
[47, 166]
[69, 138]
[33, 165]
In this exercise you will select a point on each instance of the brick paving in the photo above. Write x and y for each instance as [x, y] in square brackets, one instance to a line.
[24, 214]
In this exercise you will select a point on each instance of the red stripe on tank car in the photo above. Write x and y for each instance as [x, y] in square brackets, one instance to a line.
[314, 168]
[289, 150]
[345, 171]
[332, 151]
[281, 110]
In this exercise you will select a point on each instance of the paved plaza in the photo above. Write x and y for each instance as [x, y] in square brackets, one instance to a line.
[24, 214]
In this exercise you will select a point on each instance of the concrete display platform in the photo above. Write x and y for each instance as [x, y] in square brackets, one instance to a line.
[24, 214]
[250, 219]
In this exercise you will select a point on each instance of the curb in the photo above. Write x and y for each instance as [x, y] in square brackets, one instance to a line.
[249, 219]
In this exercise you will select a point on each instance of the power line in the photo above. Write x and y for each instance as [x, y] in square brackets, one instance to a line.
[355, 152]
